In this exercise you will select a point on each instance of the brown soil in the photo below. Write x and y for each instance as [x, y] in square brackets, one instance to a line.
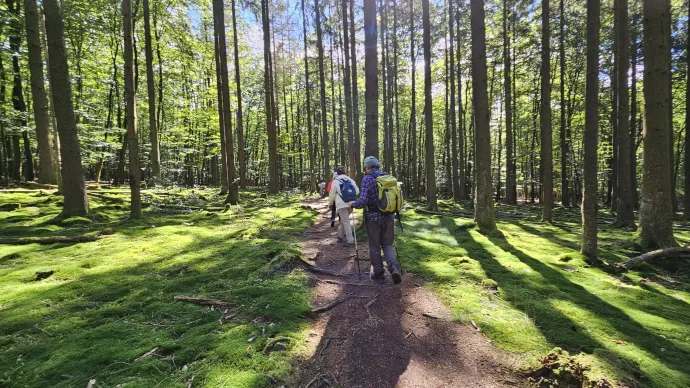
[391, 343]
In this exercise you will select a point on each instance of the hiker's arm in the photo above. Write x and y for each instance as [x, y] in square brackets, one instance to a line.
[362, 201]
[332, 193]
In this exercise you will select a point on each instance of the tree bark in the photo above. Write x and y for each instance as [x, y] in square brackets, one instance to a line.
[591, 140]
[414, 192]
[545, 116]
[355, 93]
[46, 160]
[131, 115]
[221, 112]
[151, 89]
[322, 84]
[352, 155]
[371, 96]
[273, 183]
[656, 211]
[428, 118]
[75, 203]
[241, 157]
[686, 164]
[453, 119]
[565, 192]
[625, 211]
[483, 204]
[510, 160]
[312, 178]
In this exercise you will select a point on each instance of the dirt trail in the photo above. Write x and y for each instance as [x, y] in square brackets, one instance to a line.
[390, 343]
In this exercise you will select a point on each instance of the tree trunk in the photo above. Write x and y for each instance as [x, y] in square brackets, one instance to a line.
[413, 111]
[131, 115]
[322, 84]
[352, 155]
[625, 211]
[453, 120]
[46, 161]
[656, 211]
[428, 118]
[483, 204]
[565, 192]
[372, 86]
[355, 93]
[241, 157]
[686, 164]
[545, 116]
[273, 183]
[233, 193]
[221, 111]
[633, 112]
[312, 178]
[75, 203]
[591, 140]
[151, 89]
[510, 160]
[4, 167]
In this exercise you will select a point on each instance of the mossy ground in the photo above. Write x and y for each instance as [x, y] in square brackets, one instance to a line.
[110, 301]
[527, 287]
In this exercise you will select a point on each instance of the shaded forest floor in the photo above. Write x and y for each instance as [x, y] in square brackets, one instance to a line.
[106, 310]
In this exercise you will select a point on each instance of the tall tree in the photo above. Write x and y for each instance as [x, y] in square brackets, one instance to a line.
[46, 160]
[413, 110]
[312, 178]
[74, 190]
[151, 89]
[322, 84]
[371, 127]
[686, 210]
[4, 167]
[355, 93]
[565, 193]
[18, 101]
[352, 155]
[241, 157]
[625, 207]
[273, 183]
[428, 118]
[510, 160]
[131, 115]
[483, 203]
[546, 130]
[656, 209]
[453, 121]
[591, 140]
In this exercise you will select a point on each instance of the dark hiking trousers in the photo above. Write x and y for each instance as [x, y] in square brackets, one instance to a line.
[381, 237]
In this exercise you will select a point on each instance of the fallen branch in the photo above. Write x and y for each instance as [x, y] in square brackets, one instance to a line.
[666, 252]
[49, 240]
[345, 283]
[315, 269]
[329, 306]
[366, 306]
[202, 301]
[147, 354]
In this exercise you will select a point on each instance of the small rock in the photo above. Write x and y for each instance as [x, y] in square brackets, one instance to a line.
[251, 339]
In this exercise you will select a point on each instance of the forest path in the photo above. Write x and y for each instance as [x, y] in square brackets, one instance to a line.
[380, 337]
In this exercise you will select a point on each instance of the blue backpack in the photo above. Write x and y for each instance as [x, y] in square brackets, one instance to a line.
[347, 190]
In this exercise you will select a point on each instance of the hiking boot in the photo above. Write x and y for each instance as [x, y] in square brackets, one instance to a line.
[396, 277]
[347, 244]
[377, 278]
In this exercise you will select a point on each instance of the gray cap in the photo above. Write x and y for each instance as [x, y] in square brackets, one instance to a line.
[371, 162]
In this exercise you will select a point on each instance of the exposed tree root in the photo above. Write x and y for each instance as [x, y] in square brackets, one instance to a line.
[106, 197]
[329, 306]
[666, 252]
[315, 269]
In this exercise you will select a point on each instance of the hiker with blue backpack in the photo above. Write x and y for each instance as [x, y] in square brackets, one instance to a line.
[343, 191]
[381, 200]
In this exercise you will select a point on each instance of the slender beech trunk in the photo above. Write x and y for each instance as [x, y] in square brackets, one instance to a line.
[4, 167]
[151, 92]
[462, 180]
[131, 115]
[273, 183]
[633, 112]
[414, 192]
[371, 129]
[453, 121]
[428, 118]
[322, 88]
[46, 161]
[312, 177]
[656, 209]
[565, 192]
[74, 190]
[591, 140]
[483, 204]
[686, 208]
[221, 112]
[510, 161]
[241, 157]
[546, 130]
[352, 154]
[625, 207]
[355, 93]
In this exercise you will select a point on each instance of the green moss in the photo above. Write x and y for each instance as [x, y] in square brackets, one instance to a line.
[111, 301]
[530, 290]
[73, 221]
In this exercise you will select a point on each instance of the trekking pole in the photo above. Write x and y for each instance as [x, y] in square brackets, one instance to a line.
[354, 233]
